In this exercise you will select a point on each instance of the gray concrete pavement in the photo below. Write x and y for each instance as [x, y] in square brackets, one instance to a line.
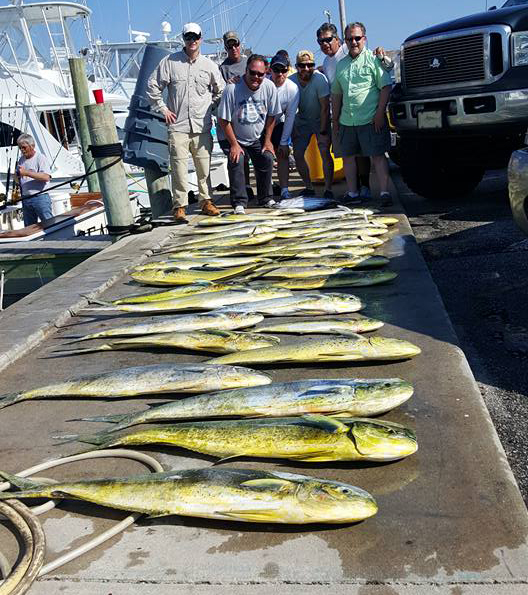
[451, 519]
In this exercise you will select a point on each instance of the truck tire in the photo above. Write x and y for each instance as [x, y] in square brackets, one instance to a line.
[442, 181]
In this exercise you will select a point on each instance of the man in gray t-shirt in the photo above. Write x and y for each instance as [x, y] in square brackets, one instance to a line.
[33, 173]
[246, 115]
[313, 117]
[234, 66]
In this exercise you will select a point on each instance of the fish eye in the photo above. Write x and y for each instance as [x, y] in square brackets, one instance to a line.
[345, 490]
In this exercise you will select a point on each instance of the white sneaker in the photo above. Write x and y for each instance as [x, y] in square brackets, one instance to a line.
[271, 204]
[239, 210]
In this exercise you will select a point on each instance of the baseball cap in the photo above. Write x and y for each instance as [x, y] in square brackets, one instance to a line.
[305, 56]
[280, 59]
[191, 28]
[231, 36]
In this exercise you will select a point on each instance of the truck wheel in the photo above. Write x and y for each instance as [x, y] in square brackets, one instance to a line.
[441, 182]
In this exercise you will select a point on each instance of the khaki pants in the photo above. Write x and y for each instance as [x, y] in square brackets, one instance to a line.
[200, 147]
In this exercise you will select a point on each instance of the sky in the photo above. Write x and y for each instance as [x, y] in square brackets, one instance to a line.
[269, 25]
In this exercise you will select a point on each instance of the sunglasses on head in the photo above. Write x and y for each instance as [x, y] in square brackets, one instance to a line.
[256, 73]
[279, 69]
[322, 40]
[191, 37]
[306, 65]
[232, 44]
[357, 38]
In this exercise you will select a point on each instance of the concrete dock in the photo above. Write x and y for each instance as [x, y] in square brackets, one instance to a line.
[451, 519]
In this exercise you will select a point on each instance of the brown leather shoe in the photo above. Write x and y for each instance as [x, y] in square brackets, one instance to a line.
[208, 208]
[179, 215]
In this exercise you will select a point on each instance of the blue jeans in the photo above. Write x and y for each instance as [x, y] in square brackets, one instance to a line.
[36, 208]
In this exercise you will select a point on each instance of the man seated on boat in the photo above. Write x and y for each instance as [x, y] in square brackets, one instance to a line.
[246, 116]
[195, 86]
[33, 173]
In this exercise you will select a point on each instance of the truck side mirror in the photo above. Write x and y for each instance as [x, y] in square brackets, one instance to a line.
[492, 8]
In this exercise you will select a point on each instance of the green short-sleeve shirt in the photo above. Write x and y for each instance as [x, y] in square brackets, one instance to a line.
[359, 80]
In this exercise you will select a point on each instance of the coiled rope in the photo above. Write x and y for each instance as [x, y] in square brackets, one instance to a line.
[31, 565]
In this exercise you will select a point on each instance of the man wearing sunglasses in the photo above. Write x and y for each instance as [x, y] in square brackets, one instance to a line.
[335, 51]
[289, 100]
[313, 117]
[194, 87]
[246, 115]
[360, 93]
[234, 66]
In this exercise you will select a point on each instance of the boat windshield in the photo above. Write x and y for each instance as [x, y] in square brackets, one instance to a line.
[42, 36]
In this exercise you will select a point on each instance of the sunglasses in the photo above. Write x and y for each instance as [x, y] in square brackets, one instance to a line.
[191, 37]
[322, 40]
[256, 73]
[279, 69]
[357, 38]
[232, 44]
[306, 65]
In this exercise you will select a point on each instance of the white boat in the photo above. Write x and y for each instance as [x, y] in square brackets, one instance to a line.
[36, 97]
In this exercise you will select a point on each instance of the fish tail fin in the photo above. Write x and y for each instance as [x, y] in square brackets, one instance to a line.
[97, 439]
[111, 419]
[78, 338]
[20, 482]
[11, 399]
[92, 300]
[66, 352]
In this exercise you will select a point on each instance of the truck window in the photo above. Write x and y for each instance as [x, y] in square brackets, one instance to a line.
[514, 3]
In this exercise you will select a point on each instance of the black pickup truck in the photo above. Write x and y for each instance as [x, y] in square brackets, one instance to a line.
[462, 105]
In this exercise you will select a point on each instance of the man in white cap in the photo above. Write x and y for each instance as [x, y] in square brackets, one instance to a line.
[195, 86]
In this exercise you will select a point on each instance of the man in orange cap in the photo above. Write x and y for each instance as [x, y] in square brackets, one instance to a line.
[313, 117]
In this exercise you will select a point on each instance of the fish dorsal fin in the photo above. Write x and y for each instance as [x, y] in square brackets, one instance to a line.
[267, 483]
[333, 426]
[354, 336]
[334, 390]
[216, 333]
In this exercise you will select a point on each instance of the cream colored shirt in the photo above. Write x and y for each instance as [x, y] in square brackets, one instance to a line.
[194, 86]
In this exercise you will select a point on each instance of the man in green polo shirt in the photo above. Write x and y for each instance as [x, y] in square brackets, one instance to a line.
[360, 93]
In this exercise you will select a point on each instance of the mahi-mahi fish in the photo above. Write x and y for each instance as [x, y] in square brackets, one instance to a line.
[184, 277]
[156, 379]
[336, 349]
[361, 397]
[344, 325]
[310, 438]
[217, 493]
[171, 324]
[201, 301]
[207, 340]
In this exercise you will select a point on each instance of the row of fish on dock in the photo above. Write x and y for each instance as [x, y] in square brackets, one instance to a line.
[229, 274]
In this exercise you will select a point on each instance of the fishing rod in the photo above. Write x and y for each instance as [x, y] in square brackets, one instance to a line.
[11, 141]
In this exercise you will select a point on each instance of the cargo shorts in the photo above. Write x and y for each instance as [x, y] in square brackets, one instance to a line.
[363, 140]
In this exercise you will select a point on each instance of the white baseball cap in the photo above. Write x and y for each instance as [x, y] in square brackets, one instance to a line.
[191, 28]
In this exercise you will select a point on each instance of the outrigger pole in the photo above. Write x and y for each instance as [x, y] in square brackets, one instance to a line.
[342, 17]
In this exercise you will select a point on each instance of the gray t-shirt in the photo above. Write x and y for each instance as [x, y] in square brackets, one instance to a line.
[230, 69]
[309, 112]
[38, 163]
[247, 110]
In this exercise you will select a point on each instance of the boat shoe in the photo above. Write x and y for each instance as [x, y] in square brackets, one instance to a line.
[208, 208]
[179, 215]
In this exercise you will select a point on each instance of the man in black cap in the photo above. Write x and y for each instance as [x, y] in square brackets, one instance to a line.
[234, 66]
